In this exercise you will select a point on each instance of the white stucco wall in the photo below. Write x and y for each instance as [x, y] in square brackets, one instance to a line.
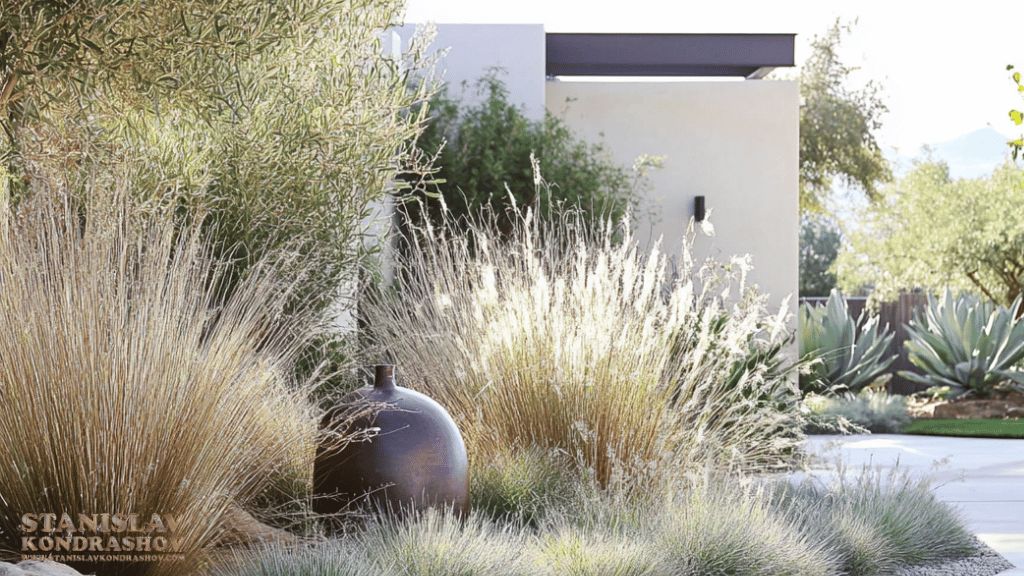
[519, 49]
[735, 143]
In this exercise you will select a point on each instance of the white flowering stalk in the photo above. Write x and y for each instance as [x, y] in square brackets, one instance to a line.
[562, 337]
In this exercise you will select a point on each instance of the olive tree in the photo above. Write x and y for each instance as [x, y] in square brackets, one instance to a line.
[837, 126]
[281, 121]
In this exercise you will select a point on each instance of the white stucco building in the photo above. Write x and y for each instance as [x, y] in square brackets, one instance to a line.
[729, 138]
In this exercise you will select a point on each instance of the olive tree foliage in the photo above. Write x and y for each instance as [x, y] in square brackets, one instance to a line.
[280, 120]
[837, 126]
[1016, 115]
[820, 239]
[928, 230]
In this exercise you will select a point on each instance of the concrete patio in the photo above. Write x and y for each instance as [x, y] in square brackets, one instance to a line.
[983, 477]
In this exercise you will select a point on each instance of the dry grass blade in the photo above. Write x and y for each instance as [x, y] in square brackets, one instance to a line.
[123, 390]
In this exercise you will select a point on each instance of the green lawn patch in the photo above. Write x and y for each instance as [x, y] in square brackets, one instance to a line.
[989, 428]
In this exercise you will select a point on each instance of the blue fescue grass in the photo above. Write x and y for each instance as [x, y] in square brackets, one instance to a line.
[869, 525]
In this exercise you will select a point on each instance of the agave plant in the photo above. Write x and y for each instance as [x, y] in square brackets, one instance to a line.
[967, 343]
[841, 359]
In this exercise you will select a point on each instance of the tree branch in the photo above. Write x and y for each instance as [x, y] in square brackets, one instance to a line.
[973, 275]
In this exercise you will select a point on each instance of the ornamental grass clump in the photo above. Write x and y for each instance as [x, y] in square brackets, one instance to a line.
[432, 544]
[129, 386]
[440, 544]
[555, 336]
[728, 528]
[521, 486]
[717, 525]
[868, 525]
[876, 523]
[326, 558]
[594, 553]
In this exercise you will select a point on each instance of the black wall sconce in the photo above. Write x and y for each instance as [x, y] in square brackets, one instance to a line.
[698, 208]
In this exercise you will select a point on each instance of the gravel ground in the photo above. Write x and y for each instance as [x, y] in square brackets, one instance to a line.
[987, 562]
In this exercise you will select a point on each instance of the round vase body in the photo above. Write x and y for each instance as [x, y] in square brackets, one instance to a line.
[416, 458]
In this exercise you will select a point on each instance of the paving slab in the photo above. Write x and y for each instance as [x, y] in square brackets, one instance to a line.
[982, 477]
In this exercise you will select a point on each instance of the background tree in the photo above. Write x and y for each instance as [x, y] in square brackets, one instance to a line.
[928, 230]
[837, 125]
[819, 245]
[483, 155]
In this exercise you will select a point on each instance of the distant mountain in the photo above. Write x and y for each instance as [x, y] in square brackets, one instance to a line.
[969, 156]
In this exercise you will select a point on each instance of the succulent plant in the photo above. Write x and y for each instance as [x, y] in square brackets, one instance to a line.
[967, 343]
[841, 357]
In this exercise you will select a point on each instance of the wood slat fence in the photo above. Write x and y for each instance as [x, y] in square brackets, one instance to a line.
[896, 315]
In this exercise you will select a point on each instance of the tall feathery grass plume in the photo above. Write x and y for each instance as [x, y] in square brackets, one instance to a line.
[128, 385]
[631, 365]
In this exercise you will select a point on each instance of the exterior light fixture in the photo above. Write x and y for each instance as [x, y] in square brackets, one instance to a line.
[698, 208]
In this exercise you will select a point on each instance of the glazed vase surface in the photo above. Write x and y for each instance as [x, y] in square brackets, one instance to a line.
[410, 455]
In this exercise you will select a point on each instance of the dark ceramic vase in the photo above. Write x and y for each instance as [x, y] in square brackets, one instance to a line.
[416, 459]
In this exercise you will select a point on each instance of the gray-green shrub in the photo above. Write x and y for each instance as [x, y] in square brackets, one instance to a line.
[871, 411]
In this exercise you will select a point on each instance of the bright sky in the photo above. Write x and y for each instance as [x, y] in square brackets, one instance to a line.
[942, 66]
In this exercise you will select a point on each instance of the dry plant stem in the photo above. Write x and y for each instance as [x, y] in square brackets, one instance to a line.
[123, 391]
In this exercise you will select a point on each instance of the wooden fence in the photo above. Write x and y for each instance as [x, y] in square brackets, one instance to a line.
[896, 315]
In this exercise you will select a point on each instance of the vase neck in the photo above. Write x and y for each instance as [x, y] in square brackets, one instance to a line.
[384, 376]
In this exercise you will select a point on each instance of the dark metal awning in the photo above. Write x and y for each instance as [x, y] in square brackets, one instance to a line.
[749, 55]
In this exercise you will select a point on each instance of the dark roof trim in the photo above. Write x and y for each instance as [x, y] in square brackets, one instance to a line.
[748, 55]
